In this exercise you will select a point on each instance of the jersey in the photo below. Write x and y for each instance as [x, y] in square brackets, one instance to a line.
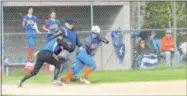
[52, 46]
[71, 37]
[29, 22]
[52, 25]
[91, 41]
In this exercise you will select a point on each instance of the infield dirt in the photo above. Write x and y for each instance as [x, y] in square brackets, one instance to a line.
[176, 87]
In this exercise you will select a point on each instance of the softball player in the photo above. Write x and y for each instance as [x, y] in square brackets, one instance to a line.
[84, 56]
[49, 54]
[70, 36]
[29, 22]
[51, 26]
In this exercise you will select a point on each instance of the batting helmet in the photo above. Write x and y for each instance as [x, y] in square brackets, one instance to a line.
[96, 29]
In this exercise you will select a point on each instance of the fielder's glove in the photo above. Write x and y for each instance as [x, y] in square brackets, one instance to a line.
[104, 40]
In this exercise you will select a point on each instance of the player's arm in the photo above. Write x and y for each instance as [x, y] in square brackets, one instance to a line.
[24, 22]
[55, 56]
[46, 27]
[59, 32]
[78, 43]
[104, 40]
[64, 45]
[88, 45]
[36, 25]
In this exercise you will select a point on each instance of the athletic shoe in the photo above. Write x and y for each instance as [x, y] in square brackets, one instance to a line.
[75, 78]
[58, 82]
[86, 81]
[55, 82]
[20, 84]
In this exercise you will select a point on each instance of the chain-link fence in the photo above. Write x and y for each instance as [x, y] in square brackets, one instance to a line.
[127, 17]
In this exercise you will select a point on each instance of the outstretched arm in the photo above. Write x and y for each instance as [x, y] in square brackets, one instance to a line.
[104, 40]
[78, 43]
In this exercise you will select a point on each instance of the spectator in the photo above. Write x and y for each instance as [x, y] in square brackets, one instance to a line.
[167, 47]
[146, 58]
[143, 48]
[183, 51]
[156, 40]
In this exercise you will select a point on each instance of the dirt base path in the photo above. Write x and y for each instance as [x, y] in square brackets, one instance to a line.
[134, 88]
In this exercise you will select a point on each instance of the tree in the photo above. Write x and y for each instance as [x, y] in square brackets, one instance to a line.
[159, 14]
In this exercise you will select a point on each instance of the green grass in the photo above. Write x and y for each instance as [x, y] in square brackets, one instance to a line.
[159, 73]
[7, 95]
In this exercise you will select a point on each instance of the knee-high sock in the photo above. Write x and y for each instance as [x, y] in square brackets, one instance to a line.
[56, 73]
[30, 53]
[68, 76]
[87, 72]
[27, 76]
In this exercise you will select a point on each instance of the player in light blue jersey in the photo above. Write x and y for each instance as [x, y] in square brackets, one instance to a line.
[30, 22]
[85, 54]
[49, 54]
[52, 24]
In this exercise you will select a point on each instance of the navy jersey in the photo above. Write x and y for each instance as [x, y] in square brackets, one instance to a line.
[71, 37]
[29, 22]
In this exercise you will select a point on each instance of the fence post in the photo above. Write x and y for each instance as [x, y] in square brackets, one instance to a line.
[139, 16]
[174, 32]
[2, 39]
[91, 13]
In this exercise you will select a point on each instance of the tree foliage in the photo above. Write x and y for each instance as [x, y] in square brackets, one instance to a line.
[160, 14]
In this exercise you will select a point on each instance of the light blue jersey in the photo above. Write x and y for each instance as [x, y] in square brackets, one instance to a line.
[29, 22]
[52, 46]
[52, 25]
[90, 41]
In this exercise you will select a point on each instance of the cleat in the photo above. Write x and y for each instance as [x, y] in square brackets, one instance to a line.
[55, 82]
[20, 84]
[58, 82]
[86, 81]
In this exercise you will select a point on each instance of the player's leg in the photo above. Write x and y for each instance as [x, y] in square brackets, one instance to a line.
[57, 65]
[47, 66]
[91, 67]
[64, 54]
[87, 59]
[31, 42]
[67, 66]
[72, 59]
[37, 66]
[75, 70]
